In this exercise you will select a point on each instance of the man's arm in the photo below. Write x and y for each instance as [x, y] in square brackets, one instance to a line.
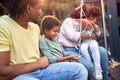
[7, 71]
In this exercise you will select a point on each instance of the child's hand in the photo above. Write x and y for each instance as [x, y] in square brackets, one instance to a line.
[73, 57]
[76, 58]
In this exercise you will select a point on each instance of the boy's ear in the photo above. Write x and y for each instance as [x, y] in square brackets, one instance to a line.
[45, 30]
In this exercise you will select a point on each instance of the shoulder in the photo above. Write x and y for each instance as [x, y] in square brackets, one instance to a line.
[5, 24]
[31, 24]
[5, 21]
[68, 19]
[34, 26]
[42, 39]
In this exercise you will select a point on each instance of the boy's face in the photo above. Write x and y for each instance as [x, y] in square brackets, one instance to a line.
[52, 33]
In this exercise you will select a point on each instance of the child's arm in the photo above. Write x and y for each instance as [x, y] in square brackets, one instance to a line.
[53, 55]
[73, 57]
[96, 28]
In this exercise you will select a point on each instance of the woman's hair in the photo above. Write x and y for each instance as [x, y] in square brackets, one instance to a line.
[86, 12]
[48, 22]
[94, 12]
[16, 7]
[76, 12]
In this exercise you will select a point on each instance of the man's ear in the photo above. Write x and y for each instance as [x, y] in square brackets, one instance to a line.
[29, 8]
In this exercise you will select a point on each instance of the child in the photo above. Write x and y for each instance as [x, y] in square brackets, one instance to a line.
[49, 44]
[88, 27]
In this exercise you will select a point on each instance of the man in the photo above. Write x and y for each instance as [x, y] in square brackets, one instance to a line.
[19, 50]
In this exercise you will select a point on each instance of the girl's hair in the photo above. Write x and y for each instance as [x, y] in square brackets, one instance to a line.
[16, 7]
[48, 22]
[76, 12]
[94, 12]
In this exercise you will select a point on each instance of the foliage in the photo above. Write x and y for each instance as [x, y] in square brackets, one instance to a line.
[2, 9]
[58, 6]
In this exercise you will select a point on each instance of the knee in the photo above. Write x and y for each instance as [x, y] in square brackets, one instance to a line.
[83, 70]
[83, 49]
[94, 44]
[103, 51]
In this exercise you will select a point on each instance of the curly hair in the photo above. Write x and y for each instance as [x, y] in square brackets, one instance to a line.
[76, 12]
[94, 12]
[16, 7]
[48, 22]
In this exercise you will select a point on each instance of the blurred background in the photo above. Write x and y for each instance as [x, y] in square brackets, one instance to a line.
[110, 37]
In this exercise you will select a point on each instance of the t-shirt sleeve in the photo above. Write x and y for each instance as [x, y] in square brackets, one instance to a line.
[44, 48]
[4, 40]
[63, 51]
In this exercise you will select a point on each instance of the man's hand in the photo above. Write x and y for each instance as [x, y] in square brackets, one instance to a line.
[43, 62]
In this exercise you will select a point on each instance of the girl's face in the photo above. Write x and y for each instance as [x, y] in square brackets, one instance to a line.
[94, 19]
[52, 33]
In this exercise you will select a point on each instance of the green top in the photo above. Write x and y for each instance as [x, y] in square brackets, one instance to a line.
[51, 49]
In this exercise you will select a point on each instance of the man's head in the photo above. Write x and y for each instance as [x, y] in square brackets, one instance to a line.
[23, 8]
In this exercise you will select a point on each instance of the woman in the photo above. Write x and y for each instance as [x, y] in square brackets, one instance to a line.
[70, 37]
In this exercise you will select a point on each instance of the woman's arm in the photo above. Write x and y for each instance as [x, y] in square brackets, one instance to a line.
[68, 29]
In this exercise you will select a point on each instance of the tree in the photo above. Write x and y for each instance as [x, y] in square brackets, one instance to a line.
[59, 8]
[2, 7]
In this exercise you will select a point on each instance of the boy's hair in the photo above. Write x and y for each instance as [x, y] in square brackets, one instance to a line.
[48, 22]
[94, 12]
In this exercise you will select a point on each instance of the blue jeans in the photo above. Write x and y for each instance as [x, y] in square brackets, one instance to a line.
[57, 71]
[89, 66]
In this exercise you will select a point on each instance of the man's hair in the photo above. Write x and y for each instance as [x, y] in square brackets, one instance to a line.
[48, 22]
[16, 7]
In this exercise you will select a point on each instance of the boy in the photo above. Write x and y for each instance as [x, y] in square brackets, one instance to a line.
[50, 46]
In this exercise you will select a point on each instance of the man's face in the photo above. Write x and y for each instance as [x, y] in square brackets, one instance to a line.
[35, 10]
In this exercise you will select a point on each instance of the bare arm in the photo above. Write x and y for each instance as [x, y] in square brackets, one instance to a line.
[87, 36]
[96, 28]
[68, 58]
[7, 72]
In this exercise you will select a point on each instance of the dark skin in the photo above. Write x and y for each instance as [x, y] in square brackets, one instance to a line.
[86, 36]
[51, 35]
[68, 58]
[7, 71]
[92, 21]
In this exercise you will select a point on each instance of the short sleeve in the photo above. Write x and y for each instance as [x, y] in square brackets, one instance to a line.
[4, 40]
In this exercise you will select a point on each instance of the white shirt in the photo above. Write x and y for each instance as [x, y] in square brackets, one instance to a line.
[69, 33]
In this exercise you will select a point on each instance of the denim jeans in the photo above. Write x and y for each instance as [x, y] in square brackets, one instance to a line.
[89, 66]
[57, 71]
